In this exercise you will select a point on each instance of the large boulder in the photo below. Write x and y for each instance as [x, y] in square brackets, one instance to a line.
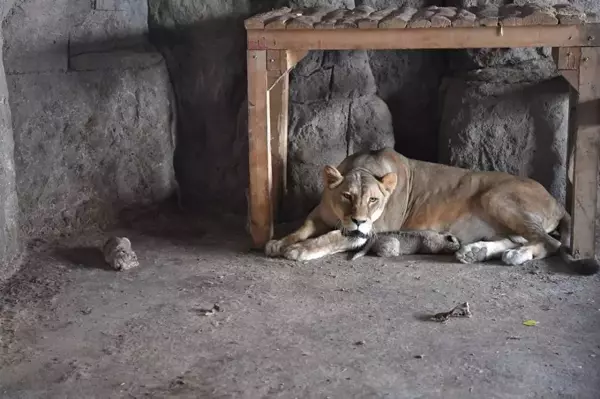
[91, 112]
[89, 144]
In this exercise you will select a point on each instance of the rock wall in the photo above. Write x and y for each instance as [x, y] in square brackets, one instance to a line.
[505, 109]
[340, 101]
[91, 112]
[9, 205]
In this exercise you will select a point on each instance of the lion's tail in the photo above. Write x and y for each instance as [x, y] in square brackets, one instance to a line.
[587, 266]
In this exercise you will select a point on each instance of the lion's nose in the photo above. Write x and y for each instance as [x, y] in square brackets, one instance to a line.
[358, 221]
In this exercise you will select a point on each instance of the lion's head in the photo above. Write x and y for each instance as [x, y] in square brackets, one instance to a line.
[358, 198]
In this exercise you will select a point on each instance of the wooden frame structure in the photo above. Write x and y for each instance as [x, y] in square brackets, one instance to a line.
[279, 39]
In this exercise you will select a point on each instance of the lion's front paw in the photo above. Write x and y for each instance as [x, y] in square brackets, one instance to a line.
[300, 252]
[295, 252]
[274, 248]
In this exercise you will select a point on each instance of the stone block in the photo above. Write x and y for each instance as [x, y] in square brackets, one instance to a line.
[36, 36]
[317, 136]
[88, 144]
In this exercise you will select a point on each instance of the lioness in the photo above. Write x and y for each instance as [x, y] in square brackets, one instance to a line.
[493, 214]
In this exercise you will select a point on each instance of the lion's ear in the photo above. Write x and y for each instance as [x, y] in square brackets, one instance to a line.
[332, 176]
[390, 181]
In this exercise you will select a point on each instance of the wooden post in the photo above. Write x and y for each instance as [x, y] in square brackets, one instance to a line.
[278, 82]
[259, 136]
[585, 155]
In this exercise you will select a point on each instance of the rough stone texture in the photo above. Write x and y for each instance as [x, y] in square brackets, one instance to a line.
[89, 144]
[517, 128]
[92, 112]
[9, 214]
[204, 45]
[506, 111]
[70, 329]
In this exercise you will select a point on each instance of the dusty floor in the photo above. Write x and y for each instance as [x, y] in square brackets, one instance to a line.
[71, 328]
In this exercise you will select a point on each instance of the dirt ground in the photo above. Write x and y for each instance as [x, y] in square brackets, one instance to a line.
[72, 328]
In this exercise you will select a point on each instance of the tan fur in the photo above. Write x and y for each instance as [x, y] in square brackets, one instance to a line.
[508, 215]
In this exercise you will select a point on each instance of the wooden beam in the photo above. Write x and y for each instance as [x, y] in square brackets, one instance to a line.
[259, 142]
[281, 62]
[438, 38]
[278, 111]
[293, 57]
[566, 58]
[585, 155]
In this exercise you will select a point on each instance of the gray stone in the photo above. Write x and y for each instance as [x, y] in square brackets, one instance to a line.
[309, 81]
[369, 125]
[352, 75]
[316, 3]
[174, 14]
[380, 4]
[37, 34]
[317, 137]
[101, 30]
[10, 246]
[88, 144]
[332, 74]
[520, 129]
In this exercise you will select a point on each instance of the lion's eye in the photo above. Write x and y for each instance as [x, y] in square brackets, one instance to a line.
[373, 200]
[347, 196]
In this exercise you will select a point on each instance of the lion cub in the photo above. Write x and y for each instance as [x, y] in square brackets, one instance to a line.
[408, 243]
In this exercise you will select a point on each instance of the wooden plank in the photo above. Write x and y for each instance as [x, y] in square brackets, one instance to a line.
[487, 15]
[447, 38]
[372, 21]
[398, 19]
[566, 58]
[308, 18]
[572, 129]
[258, 21]
[280, 63]
[293, 57]
[443, 17]
[464, 19]
[572, 77]
[365, 17]
[585, 156]
[260, 193]
[278, 113]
